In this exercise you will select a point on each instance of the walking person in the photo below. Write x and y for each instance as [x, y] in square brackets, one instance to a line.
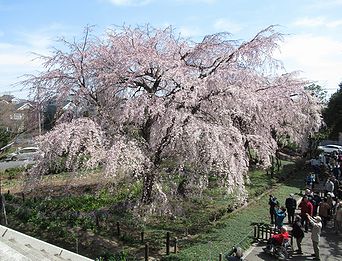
[328, 187]
[272, 202]
[323, 211]
[315, 234]
[298, 233]
[313, 178]
[338, 218]
[291, 205]
[316, 200]
[309, 181]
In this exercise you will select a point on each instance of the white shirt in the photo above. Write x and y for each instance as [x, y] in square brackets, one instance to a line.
[329, 186]
[316, 229]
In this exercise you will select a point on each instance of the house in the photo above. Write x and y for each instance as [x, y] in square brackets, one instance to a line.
[21, 111]
[65, 110]
[15, 113]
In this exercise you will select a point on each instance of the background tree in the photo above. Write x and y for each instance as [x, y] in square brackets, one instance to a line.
[332, 114]
[158, 97]
[8, 126]
[317, 91]
[5, 137]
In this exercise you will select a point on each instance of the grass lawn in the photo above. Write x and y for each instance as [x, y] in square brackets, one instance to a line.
[204, 228]
[237, 228]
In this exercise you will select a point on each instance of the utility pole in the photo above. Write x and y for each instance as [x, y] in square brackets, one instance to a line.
[39, 111]
[39, 120]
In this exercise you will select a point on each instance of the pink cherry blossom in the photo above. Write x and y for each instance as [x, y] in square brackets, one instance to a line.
[155, 96]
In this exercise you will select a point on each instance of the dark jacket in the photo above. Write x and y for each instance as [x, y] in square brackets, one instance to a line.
[290, 203]
[273, 202]
[297, 230]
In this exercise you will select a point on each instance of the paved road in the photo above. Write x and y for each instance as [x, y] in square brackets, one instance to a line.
[13, 164]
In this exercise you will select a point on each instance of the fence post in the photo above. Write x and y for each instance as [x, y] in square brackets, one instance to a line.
[77, 244]
[262, 232]
[258, 231]
[118, 228]
[142, 236]
[167, 243]
[146, 252]
[255, 231]
[97, 221]
[220, 257]
[175, 248]
[270, 233]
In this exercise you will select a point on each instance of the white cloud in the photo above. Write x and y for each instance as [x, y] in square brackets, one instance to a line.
[14, 55]
[15, 61]
[318, 21]
[17, 58]
[225, 25]
[319, 58]
[130, 2]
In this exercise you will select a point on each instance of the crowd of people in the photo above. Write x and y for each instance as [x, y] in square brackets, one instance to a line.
[320, 203]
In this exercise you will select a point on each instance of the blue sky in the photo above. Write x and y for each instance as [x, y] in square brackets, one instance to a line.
[312, 28]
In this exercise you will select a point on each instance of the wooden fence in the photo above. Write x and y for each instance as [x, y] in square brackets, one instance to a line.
[260, 232]
[263, 232]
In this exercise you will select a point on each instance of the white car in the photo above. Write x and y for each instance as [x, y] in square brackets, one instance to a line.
[27, 153]
[330, 148]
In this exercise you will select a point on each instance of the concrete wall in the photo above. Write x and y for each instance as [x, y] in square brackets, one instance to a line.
[18, 246]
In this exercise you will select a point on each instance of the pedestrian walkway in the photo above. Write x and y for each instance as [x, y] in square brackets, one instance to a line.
[330, 247]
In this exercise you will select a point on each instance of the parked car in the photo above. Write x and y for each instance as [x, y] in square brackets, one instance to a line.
[27, 153]
[330, 148]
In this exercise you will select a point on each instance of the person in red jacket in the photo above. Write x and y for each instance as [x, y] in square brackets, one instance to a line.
[306, 207]
[277, 239]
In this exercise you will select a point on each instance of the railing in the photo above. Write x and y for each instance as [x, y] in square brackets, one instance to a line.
[263, 232]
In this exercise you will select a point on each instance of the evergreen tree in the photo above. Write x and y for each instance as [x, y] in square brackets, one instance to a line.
[333, 114]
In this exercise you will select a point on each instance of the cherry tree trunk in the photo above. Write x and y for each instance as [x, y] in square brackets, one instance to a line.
[149, 181]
